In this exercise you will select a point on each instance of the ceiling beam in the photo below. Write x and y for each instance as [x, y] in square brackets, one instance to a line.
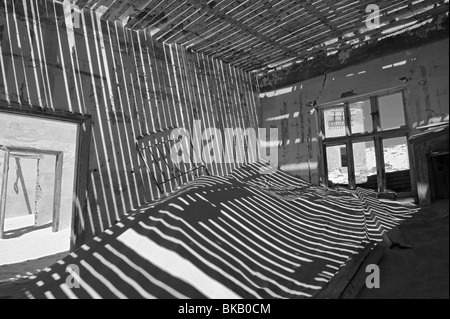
[243, 27]
[311, 9]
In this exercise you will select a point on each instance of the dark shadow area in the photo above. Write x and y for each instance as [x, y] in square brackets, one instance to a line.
[420, 272]
[17, 233]
[10, 271]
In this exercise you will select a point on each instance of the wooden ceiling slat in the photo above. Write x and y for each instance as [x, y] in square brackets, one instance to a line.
[115, 10]
[354, 28]
[181, 23]
[245, 28]
[267, 51]
[226, 38]
[213, 30]
[138, 6]
[220, 37]
[239, 7]
[240, 43]
[236, 51]
[305, 55]
[207, 38]
[292, 25]
[274, 12]
[374, 35]
[316, 12]
[214, 34]
[146, 12]
[158, 14]
[254, 34]
[295, 23]
[251, 45]
[205, 23]
[256, 25]
[192, 29]
[299, 20]
[280, 14]
[296, 36]
[251, 9]
[188, 34]
[227, 35]
[215, 23]
[231, 42]
[171, 13]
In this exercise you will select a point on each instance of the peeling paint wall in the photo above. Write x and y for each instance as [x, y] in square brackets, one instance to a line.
[130, 85]
[422, 71]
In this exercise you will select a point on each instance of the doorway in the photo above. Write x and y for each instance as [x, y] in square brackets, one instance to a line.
[38, 182]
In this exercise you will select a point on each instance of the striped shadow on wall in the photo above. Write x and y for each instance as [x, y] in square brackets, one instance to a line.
[128, 83]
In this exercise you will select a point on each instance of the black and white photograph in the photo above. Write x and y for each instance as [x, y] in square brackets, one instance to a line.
[235, 153]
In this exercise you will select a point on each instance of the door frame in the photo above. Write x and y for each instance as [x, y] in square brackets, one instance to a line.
[84, 134]
[11, 152]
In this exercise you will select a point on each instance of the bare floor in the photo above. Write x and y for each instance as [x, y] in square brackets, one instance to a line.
[24, 242]
[421, 272]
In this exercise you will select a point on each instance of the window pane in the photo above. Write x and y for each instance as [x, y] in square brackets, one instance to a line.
[334, 122]
[396, 154]
[337, 161]
[365, 165]
[391, 111]
[396, 161]
[361, 117]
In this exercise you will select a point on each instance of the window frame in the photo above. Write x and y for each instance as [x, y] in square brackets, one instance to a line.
[377, 136]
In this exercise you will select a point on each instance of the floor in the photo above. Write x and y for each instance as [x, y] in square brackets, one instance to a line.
[23, 242]
[420, 272]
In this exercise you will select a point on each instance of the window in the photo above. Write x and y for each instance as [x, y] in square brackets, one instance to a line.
[365, 142]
